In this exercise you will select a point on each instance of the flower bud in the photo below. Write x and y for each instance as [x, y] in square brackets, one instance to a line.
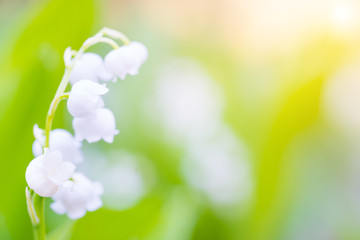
[67, 56]
[126, 60]
[102, 126]
[62, 141]
[46, 173]
[85, 98]
[77, 196]
[90, 66]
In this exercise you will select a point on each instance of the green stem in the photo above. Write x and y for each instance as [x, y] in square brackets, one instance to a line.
[109, 41]
[115, 34]
[39, 229]
[59, 95]
[51, 114]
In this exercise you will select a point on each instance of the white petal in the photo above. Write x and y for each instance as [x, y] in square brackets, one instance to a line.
[109, 137]
[35, 173]
[47, 172]
[86, 68]
[141, 50]
[126, 59]
[131, 61]
[83, 104]
[94, 129]
[68, 184]
[85, 98]
[64, 142]
[94, 204]
[82, 71]
[98, 188]
[63, 172]
[103, 74]
[37, 148]
[113, 64]
[90, 87]
[76, 213]
[51, 160]
[46, 189]
[39, 134]
[36, 178]
[98, 65]
[58, 207]
[67, 56]
[77, 196]
[100, 103]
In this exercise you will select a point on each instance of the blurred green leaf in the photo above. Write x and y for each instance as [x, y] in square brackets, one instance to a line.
[62, 232]
[178, 217]
[134, 223]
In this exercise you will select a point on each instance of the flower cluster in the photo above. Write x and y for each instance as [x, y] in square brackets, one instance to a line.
[52, 173]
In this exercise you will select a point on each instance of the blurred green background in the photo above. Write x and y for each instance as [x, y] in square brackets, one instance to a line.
[244, 123]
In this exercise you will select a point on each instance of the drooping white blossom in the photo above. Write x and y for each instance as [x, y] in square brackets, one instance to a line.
[51, 173]
[90, 66]
[141, 50]
[85, 98]
[77, 196]
[46, 173]
[102, 126]
[126, 59]
[60, 140]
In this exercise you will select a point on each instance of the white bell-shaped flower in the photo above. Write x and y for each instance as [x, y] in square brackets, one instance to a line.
[140, 49]
[126, 59]
[77, 196]
[85, 98]
[60, 140]
[39, 135]
[68, 56]
[46, 173]
[102, 126]
[89, 66]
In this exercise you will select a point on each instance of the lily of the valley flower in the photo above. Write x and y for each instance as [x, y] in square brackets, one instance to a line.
[78, 196]
[102, 126]
[60, 140]
[46, 173]
[89, 66]
[51, 173]
[126, 59]
[85, 98]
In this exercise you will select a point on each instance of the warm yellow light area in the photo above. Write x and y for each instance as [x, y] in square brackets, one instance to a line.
[345, 16]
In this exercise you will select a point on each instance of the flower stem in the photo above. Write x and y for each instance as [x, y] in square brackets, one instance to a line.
[109, 41]
[115, 34]
[59, 95]
[39, 229]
